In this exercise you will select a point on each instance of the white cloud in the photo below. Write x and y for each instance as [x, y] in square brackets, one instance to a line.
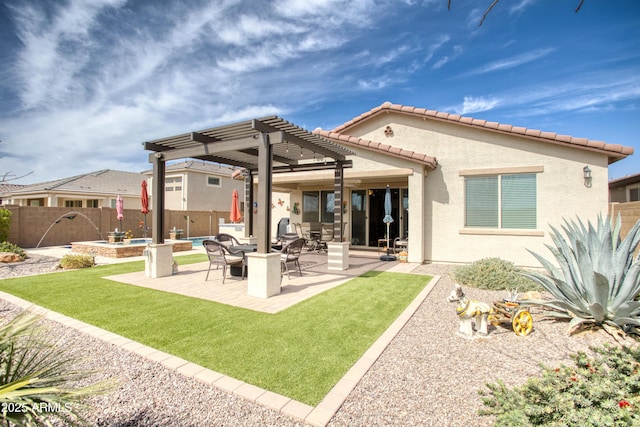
[472, 105]
[511, 62]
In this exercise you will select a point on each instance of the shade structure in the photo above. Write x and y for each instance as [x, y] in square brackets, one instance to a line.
[235, 215]
[144, 201]
[388, 219]
[120, 210]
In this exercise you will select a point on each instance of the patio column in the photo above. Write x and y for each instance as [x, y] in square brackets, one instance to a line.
[338, 191]
[338, 251]
[417, 217]
[158, 255]
[248, 204]
[157, 200]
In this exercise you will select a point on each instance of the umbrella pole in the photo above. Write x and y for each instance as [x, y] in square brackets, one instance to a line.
[388, 256]
[144, 230]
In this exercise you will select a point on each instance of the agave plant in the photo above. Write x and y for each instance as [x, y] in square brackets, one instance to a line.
[37, 378]
[597, 277]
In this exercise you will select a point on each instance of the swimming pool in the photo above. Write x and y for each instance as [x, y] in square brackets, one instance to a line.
[197, 241]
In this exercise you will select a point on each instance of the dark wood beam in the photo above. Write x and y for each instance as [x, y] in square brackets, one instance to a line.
[157, 213]
[293, 139]
[210, 148]
[302, 167]
[265, 163]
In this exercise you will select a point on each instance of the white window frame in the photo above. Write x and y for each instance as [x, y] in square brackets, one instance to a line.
[499, 173]
[218, 185]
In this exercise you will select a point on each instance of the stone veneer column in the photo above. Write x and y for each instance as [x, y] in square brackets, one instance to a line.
[338, 255]
[264, 274]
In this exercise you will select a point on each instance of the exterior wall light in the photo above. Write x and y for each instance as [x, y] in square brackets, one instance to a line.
[587, 176]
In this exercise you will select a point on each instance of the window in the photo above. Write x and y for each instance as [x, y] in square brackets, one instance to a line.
[501, 201]
[213, 181]
[173, 184]
[317, 206]
[92, 203]
[73, 203]
[634, 195]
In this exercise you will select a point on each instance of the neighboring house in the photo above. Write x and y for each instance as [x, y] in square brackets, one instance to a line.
[462, 189]
[626, 189]
[198, 186]
[7, 188]
[90, 190]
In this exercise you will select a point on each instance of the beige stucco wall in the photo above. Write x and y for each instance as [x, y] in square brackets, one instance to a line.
[561, 191]
[196, 195]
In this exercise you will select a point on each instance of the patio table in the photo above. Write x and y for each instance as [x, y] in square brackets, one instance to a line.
[244, 250]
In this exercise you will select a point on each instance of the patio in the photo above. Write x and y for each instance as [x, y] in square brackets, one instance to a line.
[316, 278]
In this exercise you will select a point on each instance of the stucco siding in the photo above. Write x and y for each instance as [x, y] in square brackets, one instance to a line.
[561, 192]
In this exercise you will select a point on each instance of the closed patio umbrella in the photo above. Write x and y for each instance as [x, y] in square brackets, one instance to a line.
[144, 200]
[388, 219]
[235, 215]
[119, 210]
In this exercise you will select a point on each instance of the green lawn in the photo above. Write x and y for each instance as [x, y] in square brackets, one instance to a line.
[300, 352]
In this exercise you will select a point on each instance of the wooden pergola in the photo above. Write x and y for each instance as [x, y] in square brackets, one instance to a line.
[261, 146]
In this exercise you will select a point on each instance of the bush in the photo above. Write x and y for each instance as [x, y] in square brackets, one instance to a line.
[598, 278]
[10, 247]
[70, 262]
[5, 223]
[39, 379]
[494, 274]
[599, 391]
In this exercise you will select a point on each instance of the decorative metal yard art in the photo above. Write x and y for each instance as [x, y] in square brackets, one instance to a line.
[480, 313]
[388, 219]
[470, 312]
[510, 310]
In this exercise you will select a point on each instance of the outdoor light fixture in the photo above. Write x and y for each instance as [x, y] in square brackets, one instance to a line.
[587, 176]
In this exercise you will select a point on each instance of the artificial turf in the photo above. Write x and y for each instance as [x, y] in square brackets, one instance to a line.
[300, 352]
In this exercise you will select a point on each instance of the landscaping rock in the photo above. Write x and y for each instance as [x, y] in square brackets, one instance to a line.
[8, 257]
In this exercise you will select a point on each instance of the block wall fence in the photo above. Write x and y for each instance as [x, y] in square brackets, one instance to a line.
[30, 223]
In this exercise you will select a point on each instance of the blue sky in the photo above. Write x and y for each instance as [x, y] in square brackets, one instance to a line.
[84, 83]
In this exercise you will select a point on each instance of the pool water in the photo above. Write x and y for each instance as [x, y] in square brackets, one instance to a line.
[197, 241]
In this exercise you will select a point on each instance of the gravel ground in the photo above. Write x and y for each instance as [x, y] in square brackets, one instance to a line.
[428, 376]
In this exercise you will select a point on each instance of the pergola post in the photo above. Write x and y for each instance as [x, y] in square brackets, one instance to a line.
[338, 251]
[157, 213]
[265, 163]
[248, 205]
[158, 256]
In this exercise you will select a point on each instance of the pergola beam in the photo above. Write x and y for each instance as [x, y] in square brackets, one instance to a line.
[288, 137]
[210, 148]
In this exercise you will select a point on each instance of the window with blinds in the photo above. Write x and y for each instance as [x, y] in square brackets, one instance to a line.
[501, 201]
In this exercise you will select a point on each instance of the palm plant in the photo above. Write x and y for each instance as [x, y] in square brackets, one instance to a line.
[36, 378]
[597, 277]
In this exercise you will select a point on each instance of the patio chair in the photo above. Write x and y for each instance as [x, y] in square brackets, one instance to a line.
[291, 254]
[400, 244]
[219, 256]
[226, 239]
[284, 240]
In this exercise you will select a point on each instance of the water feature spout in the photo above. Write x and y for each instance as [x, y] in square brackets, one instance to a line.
[69, 216]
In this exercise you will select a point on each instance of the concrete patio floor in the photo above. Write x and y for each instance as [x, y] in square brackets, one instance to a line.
[316, 278]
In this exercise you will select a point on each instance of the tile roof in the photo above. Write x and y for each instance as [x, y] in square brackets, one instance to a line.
[614, 151]
[624, 181]
[200, 166]
[104, 181]
[429, 161]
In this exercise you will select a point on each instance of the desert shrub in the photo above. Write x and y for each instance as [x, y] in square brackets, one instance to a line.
[493, 274]
[39, 379]
[10, 247]
[5, 223]
[598, 391]
[598, 277]
[73, 261]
